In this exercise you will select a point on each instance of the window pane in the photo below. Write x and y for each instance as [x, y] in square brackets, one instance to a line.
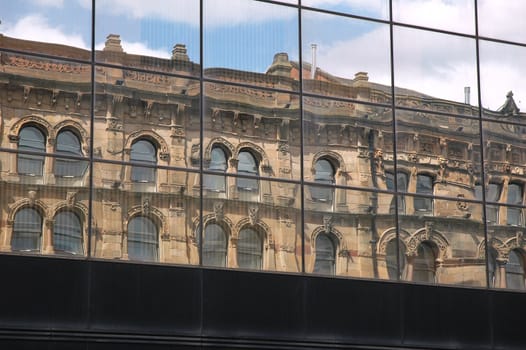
[33, 140]
[515, 271]
[214, 246]
[217, 163]
[391, 260]
[247, 165]
[323, 173]
[67, 233]
[514, 215]
[27, 230]
[325, 255]
[424, 185]
[69, 144]
[142, 239]
[424, 264]
[145, 152]
[249, 249]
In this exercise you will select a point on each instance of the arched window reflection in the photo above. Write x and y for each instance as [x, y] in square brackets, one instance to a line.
[145, 152]
[214, 246]
[249, 249]
[247, 165]
[493, 269]
[69, 144]
[27, 230]
[424, 185]
[391, 261]
[67, 233]
[514, 215]
[492, 210]
[325, 255]
[218, 163]
[324, 174]
[515, 270]
[424, 264]
[33, 140]
[142, 239]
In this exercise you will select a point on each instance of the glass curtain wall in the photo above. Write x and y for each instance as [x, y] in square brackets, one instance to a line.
[337, 138]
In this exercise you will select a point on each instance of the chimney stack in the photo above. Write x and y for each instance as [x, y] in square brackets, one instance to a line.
[313, 64]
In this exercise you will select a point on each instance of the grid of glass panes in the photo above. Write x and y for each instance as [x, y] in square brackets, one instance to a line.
[388, 148]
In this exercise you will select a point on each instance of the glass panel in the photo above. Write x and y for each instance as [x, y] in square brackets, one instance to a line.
[359, 227]
[27, 230]
[256, 42]
[155, 35]
[439, 154]
[494, 19]
[264, 122]
[339, 60]
[445, 246]
[31, 139]
[68, 233]
[430, 66]
[402, 180]
[214, 246]
[323, 173]
[168, 211]
[515, 270]
[275, 216]
[514, 214]
[325, 255]
[338, 132]
[37, 26]
[132, 106]
[457, 16]
[218, 163]
[249, 249]
[143, 151]
[501, 91]
[68, 144]
[370, 8]
[391, 260]
[247, 165]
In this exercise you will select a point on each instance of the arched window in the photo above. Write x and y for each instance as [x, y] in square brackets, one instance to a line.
[67, 233]
[492, 195]
[247, 165]
[27, 230]
[33, 140]
[142, 239]
[392, 262]
[515, 270]
[402, 187]
[68, 144]
[424, 185]
[324, 174]
[424, 264]
[143, 151]
[514, 215]
[249, 249]
[325, 255]
[214, 246]
[216, 183]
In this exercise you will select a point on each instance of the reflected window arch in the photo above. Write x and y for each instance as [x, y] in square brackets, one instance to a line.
[424, 263]
[391, 261]
[143, 151]
[247, 165]
[214, 245]
[493, 191]
[514, 214]
[27, 230]
[249, 249]
[67, 233]
[515, 270]
[402, 180]
[218, 163]
[68, 144]
[424, 185]
[33, 140]
[142, 239]
[325, 262]
[324, 173]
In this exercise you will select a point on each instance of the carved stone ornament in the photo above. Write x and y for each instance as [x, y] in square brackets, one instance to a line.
[146, 206]
[327, 223]
[218, 211]
[71, 198]
[253, 215]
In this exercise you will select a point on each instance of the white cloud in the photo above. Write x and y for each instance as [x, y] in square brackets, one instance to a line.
[36, 27]
[138, 48]
[378, 7]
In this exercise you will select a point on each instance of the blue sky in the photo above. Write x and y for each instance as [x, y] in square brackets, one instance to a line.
[245, 35]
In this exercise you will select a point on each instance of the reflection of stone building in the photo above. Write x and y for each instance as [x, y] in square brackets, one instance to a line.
[272, 184]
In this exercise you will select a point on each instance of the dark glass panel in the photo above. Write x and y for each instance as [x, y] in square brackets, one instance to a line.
[247, 165]
[33, 140]
[145, 152]
[142, 239]
[514, 215]
[515, 270]
[325, 255]
[214, 246]
[249, 249]
[68, 143]
[218, 163]
[424, 264]
[323, 173]
[27, 231]
[393, 272]
[424, 185]
[67, 233]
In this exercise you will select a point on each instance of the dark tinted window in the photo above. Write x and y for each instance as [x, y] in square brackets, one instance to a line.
[145, 152]
[27, 230]
[33, 140]
[218, 163]
[424, 185]
[142, 239]
[514, 215]
[247, 165]
[323, 173]
[68, 144]
[67, 233]
[515, 271]
[249, 249]
[214, 246]
[325, 255]
[424, 264]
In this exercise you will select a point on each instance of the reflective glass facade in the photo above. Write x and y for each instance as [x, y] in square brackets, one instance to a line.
[377, 140]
